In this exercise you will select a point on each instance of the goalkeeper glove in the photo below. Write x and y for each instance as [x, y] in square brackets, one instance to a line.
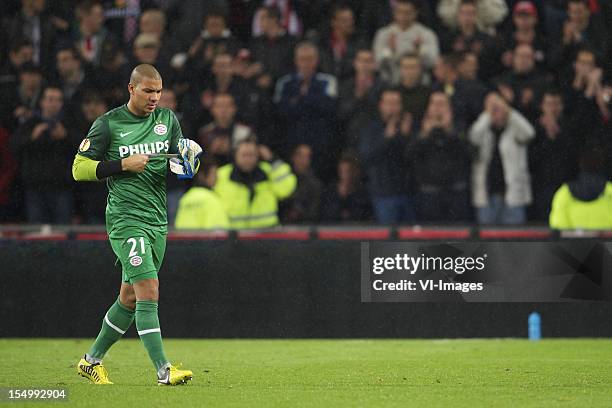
[190, 152]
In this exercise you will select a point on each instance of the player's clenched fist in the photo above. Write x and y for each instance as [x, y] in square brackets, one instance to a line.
[135, 163]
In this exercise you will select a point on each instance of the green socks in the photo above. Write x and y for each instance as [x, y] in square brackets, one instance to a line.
[147, 323]
[116, 322]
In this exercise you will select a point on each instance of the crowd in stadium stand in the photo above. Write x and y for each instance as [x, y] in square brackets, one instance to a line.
[388, 111]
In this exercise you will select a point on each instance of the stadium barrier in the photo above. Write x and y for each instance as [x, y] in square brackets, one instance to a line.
[299, 233]
[292, 282]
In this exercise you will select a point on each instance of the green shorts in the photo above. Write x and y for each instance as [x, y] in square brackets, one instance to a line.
[140, 250]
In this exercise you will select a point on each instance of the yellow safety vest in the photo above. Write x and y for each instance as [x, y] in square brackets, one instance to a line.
[201, 208]
[570, 213]
[262, 210]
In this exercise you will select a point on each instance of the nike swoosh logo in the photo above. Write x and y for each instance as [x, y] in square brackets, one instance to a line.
[121, 134]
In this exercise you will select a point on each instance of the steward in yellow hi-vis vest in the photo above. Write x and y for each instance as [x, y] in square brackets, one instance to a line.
[200, 207]
[586, 201]
[572, 210]
[251, 189]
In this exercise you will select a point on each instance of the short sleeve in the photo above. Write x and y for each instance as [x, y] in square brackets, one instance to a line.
[176, 133]
[95, 145]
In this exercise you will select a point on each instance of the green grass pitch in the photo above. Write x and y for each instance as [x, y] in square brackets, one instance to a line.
[326, 373]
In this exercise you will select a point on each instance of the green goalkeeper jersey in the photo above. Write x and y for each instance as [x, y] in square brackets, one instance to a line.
[134, 198]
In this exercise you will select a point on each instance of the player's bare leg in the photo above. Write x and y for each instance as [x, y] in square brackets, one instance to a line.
[127, 296]
[117, 320]
[147, 323]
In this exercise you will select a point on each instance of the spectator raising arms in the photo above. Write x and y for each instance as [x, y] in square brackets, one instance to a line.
[583, 94]
[580, 30]
[523, 85]
[500, 175]
[414, 94]
[441, 162]
[552, 155]
[381, 148]
[466, 94]
[358, 97]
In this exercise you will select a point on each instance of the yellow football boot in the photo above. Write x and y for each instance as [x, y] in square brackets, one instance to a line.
[96, 373]
[174, 376]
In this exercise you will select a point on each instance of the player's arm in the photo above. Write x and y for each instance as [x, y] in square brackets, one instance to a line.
[284, 182]
[86, 169]
[89, 163]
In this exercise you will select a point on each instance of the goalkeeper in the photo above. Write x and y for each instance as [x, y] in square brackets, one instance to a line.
[126, 146]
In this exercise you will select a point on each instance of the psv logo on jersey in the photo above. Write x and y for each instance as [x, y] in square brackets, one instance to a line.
[160, 129]
[136, 260]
